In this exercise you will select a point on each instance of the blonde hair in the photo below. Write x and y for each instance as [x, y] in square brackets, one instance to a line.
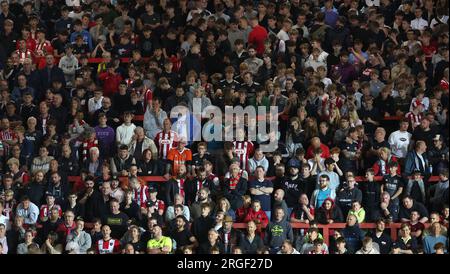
[385, 150]
[228, 205]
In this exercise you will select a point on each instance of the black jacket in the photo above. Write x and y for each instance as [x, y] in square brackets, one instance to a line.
[336, 215]
[346, 196]
[148, 168]
[172, 189]
[69, 166]
[191, 62]
[35, 191]
[235, 195]
[200, 228]
[55, 74]
[250, 248]
[205, 248]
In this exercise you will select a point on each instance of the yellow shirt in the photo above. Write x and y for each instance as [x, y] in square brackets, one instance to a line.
[164, 241]
[360, 214]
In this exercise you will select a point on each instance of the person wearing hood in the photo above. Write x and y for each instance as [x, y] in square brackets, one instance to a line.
[329, 213]
[278, 231]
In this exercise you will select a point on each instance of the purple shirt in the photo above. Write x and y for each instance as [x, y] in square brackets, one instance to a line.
[106, 139]
[348, 73]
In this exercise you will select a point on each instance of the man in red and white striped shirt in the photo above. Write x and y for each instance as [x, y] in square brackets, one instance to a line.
[107, 245]
[46, 209]
[7, 135]
[166, 139]
[243, 149]
[415, 116]
[24, 52]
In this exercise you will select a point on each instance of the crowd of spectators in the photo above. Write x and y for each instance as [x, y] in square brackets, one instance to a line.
[87, 88]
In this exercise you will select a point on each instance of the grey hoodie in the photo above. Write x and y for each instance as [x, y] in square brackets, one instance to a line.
[277, 232]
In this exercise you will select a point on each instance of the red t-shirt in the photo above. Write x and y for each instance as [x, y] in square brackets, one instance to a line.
[325, 152]
[110, 83]
[257, 37]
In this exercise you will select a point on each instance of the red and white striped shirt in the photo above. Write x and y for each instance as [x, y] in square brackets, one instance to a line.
[129, 82]
[243, 150]
[147, 96]
[24, 55]
[181, 182]
[43, 47]
[165, 141]
[414, 119]
[141, 195]
[7, 135]
[108, 246]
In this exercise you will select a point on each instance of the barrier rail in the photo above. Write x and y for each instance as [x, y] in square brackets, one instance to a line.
[161, 179]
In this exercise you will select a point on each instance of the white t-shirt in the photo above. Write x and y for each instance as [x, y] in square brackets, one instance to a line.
[399, 142]
[5, 220]
[419, 24]
[124, 134]
[283, 35]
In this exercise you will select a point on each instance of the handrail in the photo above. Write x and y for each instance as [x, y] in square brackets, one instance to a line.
[359, 179]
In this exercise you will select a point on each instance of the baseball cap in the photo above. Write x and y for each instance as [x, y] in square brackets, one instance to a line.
[293, 163]
[152, 189]
[49, 194]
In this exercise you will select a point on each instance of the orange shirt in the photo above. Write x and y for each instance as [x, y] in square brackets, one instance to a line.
[179, 158]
